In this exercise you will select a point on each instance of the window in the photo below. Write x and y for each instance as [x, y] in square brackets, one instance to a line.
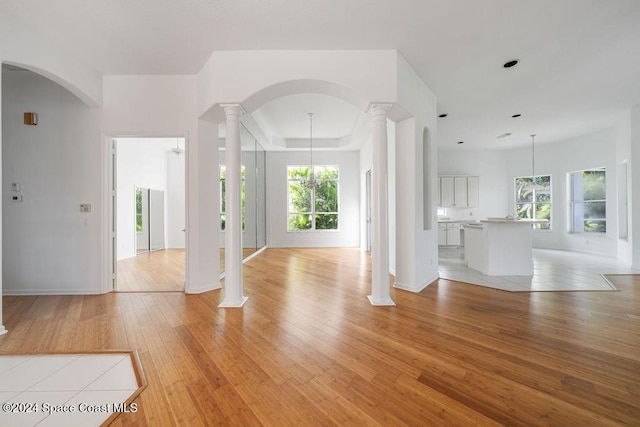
[588, 201]
[532, 203]
[138, 210]
[312, 208]
[223, 181]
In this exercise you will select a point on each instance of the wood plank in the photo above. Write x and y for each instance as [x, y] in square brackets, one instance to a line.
[308, 348]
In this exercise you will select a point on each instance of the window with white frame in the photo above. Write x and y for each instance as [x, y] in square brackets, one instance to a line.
[223, 187]
[312, 207]
[588, 199]
[534, 202]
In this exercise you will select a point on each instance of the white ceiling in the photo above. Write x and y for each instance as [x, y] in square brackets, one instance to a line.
[578, 72]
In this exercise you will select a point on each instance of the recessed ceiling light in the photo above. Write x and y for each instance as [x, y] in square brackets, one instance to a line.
[460, 142]
[504, 135]
[515, 116]
[443, 115]
[511, 63]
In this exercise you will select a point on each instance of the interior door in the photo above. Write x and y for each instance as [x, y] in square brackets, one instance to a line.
[156, 220]
[368, 210]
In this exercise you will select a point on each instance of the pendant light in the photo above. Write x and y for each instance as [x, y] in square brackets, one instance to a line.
[533, 186]
[311, 183]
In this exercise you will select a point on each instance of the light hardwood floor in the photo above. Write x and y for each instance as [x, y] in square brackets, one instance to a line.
[152, 272]
[309, 349]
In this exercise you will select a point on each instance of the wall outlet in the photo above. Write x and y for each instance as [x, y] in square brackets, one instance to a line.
[16, 198]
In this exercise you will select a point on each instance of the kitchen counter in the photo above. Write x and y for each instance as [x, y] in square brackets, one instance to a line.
[500, 246]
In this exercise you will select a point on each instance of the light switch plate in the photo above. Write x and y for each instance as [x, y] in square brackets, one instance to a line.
[85, 208]
[15, 186]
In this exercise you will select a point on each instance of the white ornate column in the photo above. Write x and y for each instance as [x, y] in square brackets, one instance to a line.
[380, 294]
[233, 292]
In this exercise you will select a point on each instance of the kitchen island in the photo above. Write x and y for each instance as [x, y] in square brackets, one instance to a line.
[500, 247]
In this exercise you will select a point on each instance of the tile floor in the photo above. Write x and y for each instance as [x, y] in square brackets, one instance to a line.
[553, 271]
[85, 383]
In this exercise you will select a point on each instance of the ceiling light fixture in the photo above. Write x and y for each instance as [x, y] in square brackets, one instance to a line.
[515, 116]
[311, 182]
[533, 186]
[443, 115]
[460, 142]
[511, 63]
[504, 135]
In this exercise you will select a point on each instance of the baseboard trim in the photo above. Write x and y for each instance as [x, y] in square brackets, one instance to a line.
[204, 289]
[33, 292]
[409, 288]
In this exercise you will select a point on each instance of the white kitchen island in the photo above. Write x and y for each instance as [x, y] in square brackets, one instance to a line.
[500, 247]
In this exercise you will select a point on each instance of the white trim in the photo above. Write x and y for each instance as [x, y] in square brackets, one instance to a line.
[409, 288]
[69, 292]
[107, 212]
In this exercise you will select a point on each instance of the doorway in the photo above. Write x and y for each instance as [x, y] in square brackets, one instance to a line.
[368, 210]
[149, 214]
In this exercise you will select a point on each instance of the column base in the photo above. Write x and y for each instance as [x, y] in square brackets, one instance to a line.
[387, 302]
[227, 304]
[2, 330]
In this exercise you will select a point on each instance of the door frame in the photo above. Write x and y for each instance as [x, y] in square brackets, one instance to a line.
[368, 223]
[109, 203]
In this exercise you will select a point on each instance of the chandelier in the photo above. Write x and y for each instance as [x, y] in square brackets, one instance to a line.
[311, 182]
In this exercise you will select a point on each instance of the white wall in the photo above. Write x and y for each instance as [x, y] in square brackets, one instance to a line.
[149, 163]
[49, 245]
[495, 185]
[589, 151]
[416, 239]
[634, 185]
[167, 106]
[348, 234]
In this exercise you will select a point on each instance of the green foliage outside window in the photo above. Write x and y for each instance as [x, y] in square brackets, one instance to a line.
[534, 204]
[138, 210]
[223, 190]
[312, 208]
[589, 197]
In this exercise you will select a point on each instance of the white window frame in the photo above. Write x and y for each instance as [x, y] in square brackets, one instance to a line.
[536, 227]
[313, 202]
[575, 203]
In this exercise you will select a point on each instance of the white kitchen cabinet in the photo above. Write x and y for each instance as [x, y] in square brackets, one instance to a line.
[473, 191]
[459, 191]
[449, 234]
[453, 234]
[442, 234]
[446, 191]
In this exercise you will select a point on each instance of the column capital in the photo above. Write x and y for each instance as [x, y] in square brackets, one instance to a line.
[233, 109]
[379, 109]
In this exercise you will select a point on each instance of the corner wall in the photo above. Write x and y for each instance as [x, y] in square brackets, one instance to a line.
[588, 151]
[55, 249]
